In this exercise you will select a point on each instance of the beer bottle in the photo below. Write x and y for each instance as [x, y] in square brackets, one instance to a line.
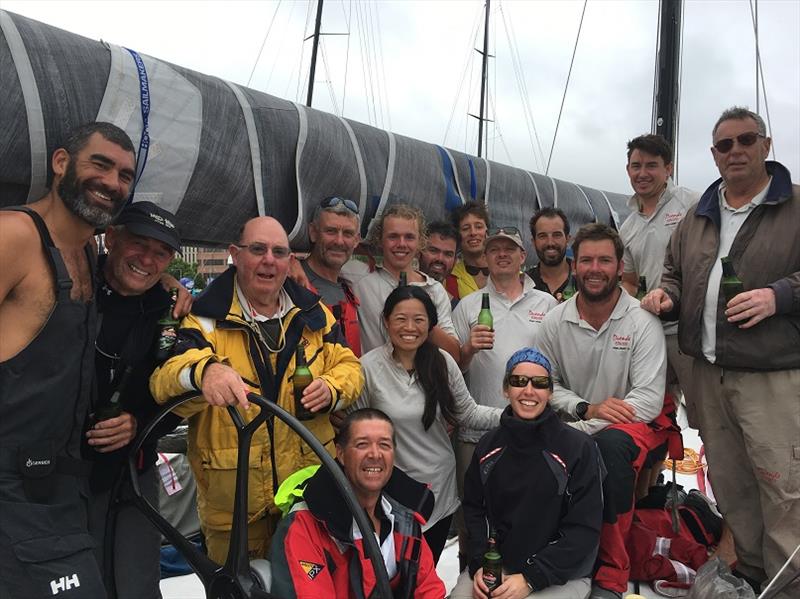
[301, 379]
[569, 290]
[113, 408]
[485, 315]
[403, 279]
[731, 283]
[642, 291]
[167, 329]
[492, 565]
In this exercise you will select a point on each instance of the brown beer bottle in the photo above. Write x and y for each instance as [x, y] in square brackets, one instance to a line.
[301, 379]
[492, 565]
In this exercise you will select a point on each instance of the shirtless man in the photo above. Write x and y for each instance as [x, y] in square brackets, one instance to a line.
[46, 328]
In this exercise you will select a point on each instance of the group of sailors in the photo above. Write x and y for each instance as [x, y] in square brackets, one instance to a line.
[537, 426]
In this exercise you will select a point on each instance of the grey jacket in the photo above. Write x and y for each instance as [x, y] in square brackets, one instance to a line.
[765, 253]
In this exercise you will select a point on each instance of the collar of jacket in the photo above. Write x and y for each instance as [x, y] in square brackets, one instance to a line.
[527, 434]
[779, 191]
[219, 297]
[326, 504]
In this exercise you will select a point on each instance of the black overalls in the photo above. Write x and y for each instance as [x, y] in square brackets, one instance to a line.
[45, 549]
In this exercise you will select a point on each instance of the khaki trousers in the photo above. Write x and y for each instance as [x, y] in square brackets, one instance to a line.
[259, 535]
[679, 378]
[750, 425]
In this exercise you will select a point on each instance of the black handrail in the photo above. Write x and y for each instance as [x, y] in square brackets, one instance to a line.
[234, 580]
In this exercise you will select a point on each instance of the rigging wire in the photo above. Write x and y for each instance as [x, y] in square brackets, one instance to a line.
[519, 75]
[566, 86]
[754, 17]
[280, 47]
[374, 58]
[494, 83]
[348, 17]
[467, 64]
[300, 78]
[499, 134]
[381, 64]
[328, 83]
[263, 43]
[366, 66]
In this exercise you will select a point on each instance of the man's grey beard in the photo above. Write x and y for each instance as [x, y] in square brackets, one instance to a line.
[73, 193]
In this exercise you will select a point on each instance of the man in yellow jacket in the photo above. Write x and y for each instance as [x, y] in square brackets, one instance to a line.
[241, 335]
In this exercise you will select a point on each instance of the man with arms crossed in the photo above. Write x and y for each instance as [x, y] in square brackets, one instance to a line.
[47, 328]
[746, 351]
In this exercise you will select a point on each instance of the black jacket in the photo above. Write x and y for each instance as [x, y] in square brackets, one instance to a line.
[126, 336]
[538, 484]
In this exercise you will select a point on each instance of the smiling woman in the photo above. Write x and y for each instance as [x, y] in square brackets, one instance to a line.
[421, 388]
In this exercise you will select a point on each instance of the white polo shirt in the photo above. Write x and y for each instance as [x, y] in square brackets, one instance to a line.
[516, 324]
[646, 237]
[731, 220]
[372, 291]
[626, 359]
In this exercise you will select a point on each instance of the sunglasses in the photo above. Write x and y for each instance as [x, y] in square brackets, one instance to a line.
[279, 252]
[336, 200]
[723, 146]
[502, 231]
[521, 381]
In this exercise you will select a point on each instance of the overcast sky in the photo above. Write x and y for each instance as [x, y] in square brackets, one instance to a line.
[423, 74]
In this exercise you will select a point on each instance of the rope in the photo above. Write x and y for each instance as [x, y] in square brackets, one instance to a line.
[263, 43]
[692, 462]
[566, 86]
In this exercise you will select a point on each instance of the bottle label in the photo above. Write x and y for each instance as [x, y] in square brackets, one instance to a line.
[167, 338]
[490, 580]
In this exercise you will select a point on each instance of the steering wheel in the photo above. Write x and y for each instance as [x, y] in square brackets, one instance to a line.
[238, 578]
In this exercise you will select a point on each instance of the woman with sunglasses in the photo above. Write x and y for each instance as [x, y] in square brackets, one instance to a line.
[421, 388]
[535, 482]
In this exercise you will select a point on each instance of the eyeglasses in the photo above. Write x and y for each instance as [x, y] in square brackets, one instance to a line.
[503, 231]
[279, 252]
[336, 200]
[521, 381]
[723, 146]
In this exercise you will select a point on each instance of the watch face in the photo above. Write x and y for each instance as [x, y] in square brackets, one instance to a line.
[581, 410]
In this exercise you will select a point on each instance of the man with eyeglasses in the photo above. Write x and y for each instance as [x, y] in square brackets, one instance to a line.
[609, 365]
[747, 350]
[518, 309]
[241, 335]
[333, 232]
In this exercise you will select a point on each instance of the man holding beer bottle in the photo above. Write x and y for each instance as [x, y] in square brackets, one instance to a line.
[747, 350]
[242, 334]
[132, 305]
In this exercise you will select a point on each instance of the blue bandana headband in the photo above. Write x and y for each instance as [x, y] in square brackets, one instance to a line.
[528, 354]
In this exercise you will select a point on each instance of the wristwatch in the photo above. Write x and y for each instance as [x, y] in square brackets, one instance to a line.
[580, 410]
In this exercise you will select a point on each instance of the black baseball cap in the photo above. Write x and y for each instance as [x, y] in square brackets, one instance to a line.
[148, 220]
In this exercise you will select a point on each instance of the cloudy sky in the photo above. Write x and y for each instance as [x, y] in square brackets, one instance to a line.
[410, 66]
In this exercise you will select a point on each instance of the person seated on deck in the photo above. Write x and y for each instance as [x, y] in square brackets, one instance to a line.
[536, 483]
[318, 551]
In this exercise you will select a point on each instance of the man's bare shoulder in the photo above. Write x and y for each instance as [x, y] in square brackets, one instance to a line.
[19, 247]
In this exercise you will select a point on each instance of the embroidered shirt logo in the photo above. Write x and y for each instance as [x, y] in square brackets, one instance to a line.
[621, 342]
[31, 463]
[535, 316]
[672, 218]
[311, 569]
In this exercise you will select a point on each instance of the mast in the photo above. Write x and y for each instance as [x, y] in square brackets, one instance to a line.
[484, 74]
[314, 54]
[667, 96]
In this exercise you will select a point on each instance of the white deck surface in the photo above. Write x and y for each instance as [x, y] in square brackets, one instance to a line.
[189, 587]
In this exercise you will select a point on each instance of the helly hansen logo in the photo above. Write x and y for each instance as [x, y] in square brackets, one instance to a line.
[65, 583]
[621, 342]
[535, 316]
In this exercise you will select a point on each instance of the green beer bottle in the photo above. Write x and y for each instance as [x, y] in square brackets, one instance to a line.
[642, 291]
[301, 379]
[731, 284]
[485, 315]
[403, 279]
[113, 408]
[569, 290]
[167, 329]
[492, 565]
